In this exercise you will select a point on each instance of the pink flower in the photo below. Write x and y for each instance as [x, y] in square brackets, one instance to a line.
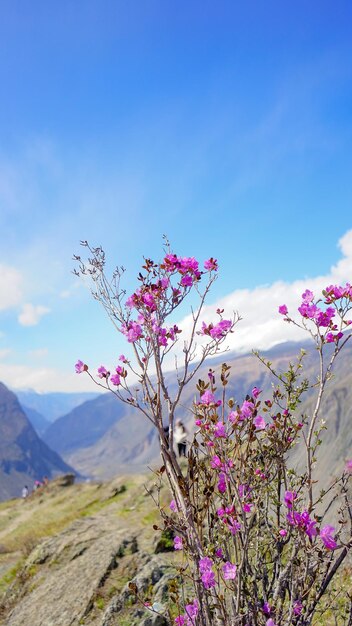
[229, 571]
[173, 506]
[266, 608]
[215, 462]
[122, 358]
[283, 532]
[290, 497]
[283, 310]
[178, 545]
[115, 380]
[259, 422]
[207, 398]
[297, 607]
[307, 296]
[211, 265]
[204, 564]
[247, 409]
[208, 579]
[80, 367]
[102, 372]
[270, 622]
[219, 553]
[233, 417]
[349, 466]
[180, 620]
[133, 331]
[220, 329]
[219, 430]
[309, 311]
[192, 611]
[326, 535]
[222, 483]
[256, 392]
[187, 281]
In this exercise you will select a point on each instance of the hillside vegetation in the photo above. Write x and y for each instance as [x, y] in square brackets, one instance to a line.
[68, 553]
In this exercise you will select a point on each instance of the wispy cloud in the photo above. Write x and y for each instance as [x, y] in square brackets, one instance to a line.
[31, 314]
[43, 379]
[39, 353]
[261, 326]
[11, 287]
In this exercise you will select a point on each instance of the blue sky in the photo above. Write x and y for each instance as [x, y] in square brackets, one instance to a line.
[225, 125]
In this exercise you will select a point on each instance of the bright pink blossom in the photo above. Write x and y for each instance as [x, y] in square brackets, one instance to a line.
[349, 466]
[290, 497]
[259, 422]
[297, 607]
[208, 579]
[207, 398]
[211, 265]
[205, 563]
[307, 296]
[115, 380]
[283, 310]
[222, 483]
[256, 392]
[132, 331]
[219, 430]
[180, 620]
[173, 506]
[187, 281]
[247, 409]
[327, 536]
[178, 545]
[80, 367]
[229, 571]
[102, 372]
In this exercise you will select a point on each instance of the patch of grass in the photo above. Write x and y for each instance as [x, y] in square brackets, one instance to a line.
[10, 576]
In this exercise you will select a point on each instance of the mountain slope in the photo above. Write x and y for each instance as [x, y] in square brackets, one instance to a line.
[104, 436]
[38, 421]
[23, 456]
[53, 404]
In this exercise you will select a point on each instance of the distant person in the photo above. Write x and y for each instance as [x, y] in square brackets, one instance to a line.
[25, 492]
[180, 436]
[37, 485]
[166, 433]
[45, 481]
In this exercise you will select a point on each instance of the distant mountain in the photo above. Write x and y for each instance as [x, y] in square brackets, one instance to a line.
[84, 425]
[24, 458]
[104, 436]
[52, 405]
[38, 421]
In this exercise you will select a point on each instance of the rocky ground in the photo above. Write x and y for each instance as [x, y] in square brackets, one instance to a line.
[69, 553]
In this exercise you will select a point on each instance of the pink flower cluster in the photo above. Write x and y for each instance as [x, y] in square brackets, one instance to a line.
[190, 615]
[304, 522]
[207, 572]
[216, 331]
[323, 318]
[336, 292]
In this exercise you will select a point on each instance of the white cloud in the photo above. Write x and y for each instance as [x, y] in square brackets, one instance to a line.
[31, 314]
[11, 281]
[261, 326]
[5, 352]
[39, 353]
[44, 379]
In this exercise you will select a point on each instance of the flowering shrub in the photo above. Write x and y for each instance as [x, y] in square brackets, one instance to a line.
[252, 531]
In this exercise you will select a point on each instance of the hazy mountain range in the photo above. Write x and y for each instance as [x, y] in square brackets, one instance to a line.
[24, 457]
[102, 437]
